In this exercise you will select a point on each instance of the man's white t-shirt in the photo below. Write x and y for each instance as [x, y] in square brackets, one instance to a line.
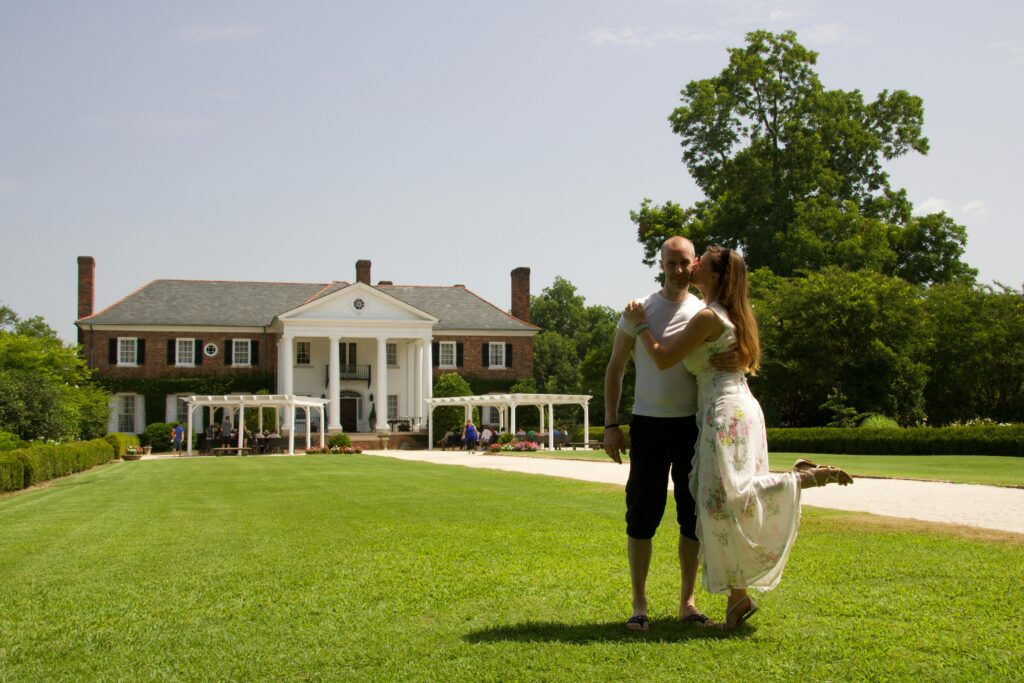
[671, 392]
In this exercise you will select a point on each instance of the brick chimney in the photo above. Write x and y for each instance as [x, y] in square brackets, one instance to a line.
[86, 289]
[521, 294]
[363, 271]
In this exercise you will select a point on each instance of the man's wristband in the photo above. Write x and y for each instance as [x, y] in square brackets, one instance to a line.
[611, 425]
[640, 328]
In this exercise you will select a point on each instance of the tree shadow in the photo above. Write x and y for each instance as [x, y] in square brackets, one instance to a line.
[662, 631]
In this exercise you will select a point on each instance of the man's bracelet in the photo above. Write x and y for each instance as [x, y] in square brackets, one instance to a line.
[611, 425]
[640, 328]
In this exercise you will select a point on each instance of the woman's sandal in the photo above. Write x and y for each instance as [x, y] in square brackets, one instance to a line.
[743, 616]
[819, 475]
[638, 622]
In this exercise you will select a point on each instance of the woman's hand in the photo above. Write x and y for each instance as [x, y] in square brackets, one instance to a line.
[635, 313]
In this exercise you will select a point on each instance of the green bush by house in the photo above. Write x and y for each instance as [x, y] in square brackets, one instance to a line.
[974, 440]
[339, 441]
[9, 441]
[42, 462]
[597, 434]
[121, 441]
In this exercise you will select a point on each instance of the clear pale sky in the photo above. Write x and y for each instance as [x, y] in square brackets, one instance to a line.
[449, 142]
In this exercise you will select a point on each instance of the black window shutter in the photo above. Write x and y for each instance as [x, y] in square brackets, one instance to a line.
[229, 351]
[140, 352]
[199, 352]
[508, 354]
[171, 344]
[434, 353]
[458, 354]
[112, 351]
[254, 352]
[485, 354]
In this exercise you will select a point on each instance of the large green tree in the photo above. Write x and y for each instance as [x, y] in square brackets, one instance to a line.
[571, 354]
[793, 173]
[859, 336]
[45, 387]
[977, 361]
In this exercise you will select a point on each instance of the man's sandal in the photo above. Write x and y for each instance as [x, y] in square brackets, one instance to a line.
[696, 618]
[802, 465]
[638, 622]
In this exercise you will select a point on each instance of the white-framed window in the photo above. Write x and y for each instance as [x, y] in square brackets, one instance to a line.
[392, 406]
[126, 413]
[446, 354]
[496, 354]
[303, 352]
[240, 357]
[185, 353]
[127, 352]
[391, 350]
[181, 414]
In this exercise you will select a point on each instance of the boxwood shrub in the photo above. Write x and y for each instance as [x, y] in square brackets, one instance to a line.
[974, 440]
[121, 441]
[597, 434]
[42, 462]
[339, 441]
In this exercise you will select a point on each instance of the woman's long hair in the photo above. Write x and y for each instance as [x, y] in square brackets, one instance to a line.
[734, 296]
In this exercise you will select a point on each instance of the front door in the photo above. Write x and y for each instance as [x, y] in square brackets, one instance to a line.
[347, 410]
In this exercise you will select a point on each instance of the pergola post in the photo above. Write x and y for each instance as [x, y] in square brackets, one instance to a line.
[322, 442]
[512, 418]
[586, 421]
[430, 427]
[241, 427]
[189, 432]
[291, 432]
[309, 427]
[551, 426]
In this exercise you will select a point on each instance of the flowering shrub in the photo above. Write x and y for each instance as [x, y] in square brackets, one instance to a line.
[520, 446]
[337, 450]
[132, 450]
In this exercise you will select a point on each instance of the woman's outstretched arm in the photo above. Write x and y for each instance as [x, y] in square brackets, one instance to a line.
[667, 352]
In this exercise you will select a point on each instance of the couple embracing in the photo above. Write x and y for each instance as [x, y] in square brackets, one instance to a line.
[694, 419]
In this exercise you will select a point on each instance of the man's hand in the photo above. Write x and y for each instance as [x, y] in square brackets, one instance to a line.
[727, 361]
[614, 443]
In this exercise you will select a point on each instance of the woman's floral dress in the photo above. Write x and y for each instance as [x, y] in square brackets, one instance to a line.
[747, 517]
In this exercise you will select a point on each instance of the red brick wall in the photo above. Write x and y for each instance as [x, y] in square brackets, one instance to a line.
[472, 358]
[95, 351]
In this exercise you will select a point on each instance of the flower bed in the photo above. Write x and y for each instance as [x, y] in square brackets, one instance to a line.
[520, 446]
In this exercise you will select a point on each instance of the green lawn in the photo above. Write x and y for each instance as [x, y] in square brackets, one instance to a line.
[961, 469]
[365, 568]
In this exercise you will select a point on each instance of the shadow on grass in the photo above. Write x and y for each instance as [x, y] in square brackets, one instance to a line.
[662, 631]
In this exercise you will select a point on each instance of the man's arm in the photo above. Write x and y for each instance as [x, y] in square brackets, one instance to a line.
[614, 442]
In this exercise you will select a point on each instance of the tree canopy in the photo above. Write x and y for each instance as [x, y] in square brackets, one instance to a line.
[793, 173]
[45, 388]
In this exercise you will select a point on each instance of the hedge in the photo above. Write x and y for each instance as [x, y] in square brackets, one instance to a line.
[28, 466]
[597, 434]
[121, 441]
[975, 440]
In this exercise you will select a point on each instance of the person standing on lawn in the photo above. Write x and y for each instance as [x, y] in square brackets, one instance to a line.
[663, 432]
[747, 517]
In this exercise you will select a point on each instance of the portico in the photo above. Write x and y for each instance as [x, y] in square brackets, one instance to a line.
[324, 346]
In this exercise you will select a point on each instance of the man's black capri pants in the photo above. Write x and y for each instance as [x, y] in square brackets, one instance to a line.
[660, 446]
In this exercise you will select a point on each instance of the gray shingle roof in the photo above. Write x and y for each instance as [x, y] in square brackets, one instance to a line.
[255, 304]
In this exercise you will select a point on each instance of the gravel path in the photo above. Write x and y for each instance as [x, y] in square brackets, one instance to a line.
[986, 507]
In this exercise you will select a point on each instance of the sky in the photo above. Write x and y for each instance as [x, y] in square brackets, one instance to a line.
[448, 142]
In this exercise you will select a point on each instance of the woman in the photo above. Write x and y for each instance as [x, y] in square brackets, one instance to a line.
[747, 518]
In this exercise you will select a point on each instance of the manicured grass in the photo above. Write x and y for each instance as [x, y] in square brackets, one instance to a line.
[356, 567]
[961, 469]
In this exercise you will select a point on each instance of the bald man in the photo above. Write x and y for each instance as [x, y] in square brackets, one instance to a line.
[663, 432]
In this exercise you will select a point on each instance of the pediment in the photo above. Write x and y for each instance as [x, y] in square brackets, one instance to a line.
[358, 302]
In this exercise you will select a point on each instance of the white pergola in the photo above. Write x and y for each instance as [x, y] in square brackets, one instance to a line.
[512, 401]
[278, 402]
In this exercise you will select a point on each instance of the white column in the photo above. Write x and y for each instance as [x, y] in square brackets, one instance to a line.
[309, 427]
[241, 425]
[323, 421]
[410, 382]
[586, 422]
[290, 419]
[334, 384]
[188, 434]
[512, 418]
[540, 412]
[551, 426]
[501, 418]
[428, 371]
[418, 407]
[287, 381]
[430, 428]
[381, 394]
